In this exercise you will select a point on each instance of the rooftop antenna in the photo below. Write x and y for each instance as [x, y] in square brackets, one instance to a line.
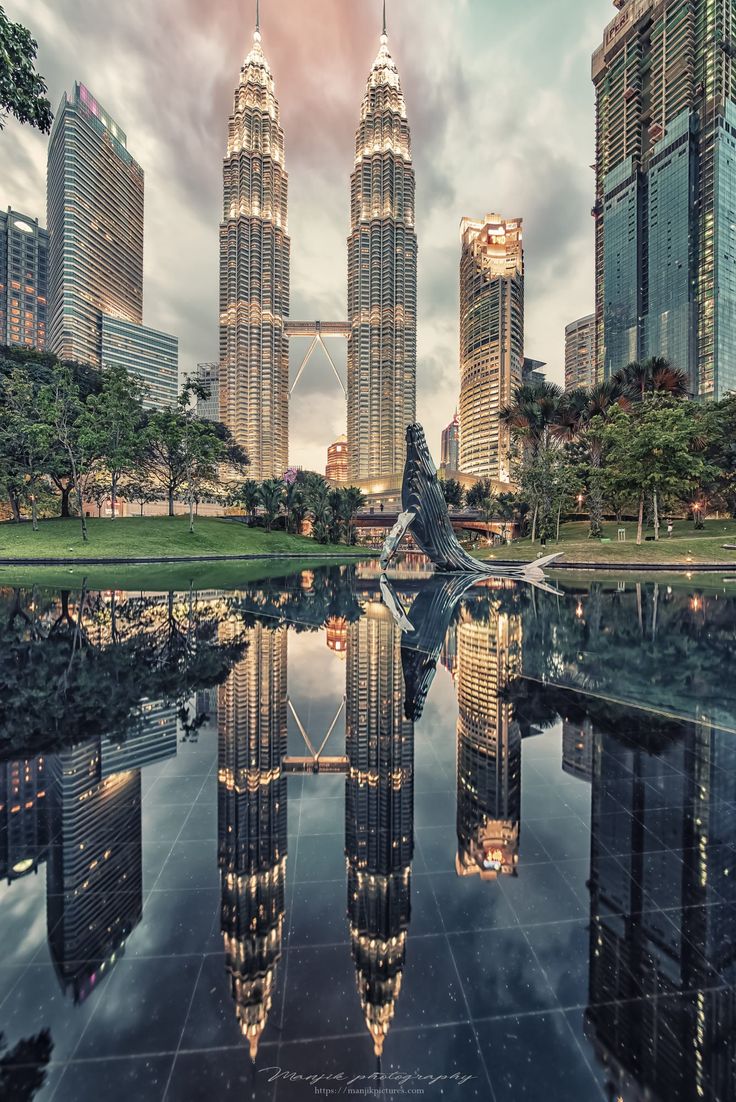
[384, 18]
[258, 16]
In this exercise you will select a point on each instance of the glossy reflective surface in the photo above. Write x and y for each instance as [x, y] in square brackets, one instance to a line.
[267, 844]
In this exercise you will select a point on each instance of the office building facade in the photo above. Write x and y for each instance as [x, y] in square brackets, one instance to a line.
[95, 222]
[580, 365]
[24, 261]
[254, 273]
[491, 340]
[145, 352]
[665, 205]
[382, 283]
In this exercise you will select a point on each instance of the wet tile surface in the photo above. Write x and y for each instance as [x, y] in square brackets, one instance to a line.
[503, 897]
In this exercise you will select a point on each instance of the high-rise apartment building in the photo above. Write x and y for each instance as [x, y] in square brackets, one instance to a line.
[382, 283]
[24, 250]
[254, 273]
[95, 220]
[337, 460]
[208, 376]
[665, 207]
[580, 365]
[145, 352]
[491, 340]
[450, 450]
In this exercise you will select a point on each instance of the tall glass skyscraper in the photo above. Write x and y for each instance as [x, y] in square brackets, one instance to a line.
[95, 219]
[382, 282]
[491, 339]
[24, 248]
[666, 189]
[254, 273]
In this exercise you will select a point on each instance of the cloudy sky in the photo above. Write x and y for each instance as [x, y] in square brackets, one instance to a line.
[501, 109]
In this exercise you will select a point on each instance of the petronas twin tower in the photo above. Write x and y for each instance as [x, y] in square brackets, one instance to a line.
[382, 278]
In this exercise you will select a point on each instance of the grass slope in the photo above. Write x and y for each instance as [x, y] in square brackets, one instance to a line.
[684, 546]
[155, 537]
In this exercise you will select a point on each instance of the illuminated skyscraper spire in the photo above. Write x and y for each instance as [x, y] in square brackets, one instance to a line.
[382, 280]
[254, 271]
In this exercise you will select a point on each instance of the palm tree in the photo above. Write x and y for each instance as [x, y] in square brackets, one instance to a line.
[247, 495]
[653, 376]
[354, 500]
[271, 498]
[295, 505]
[318, 503]
[533, 410]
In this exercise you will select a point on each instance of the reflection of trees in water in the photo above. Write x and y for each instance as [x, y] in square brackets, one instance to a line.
[23, 1067]
[655, 645]
[77, 665]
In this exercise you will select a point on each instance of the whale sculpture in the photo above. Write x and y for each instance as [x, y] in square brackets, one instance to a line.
[425, 513]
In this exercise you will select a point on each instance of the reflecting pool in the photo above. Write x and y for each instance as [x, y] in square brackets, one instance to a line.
[322, 836]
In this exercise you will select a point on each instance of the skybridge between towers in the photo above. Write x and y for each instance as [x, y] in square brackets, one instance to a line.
[318, 331]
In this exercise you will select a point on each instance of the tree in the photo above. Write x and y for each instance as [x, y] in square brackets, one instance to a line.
[452, 491]
[113, 420]
[25, 441]
[294, 504]
[271, 495]
[183, 451]
[318, 502]
[141, 490]
[62, 407]
[653, 450]
[478, 492]
[21, 87]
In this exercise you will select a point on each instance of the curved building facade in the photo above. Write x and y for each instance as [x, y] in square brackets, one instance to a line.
[254, 273]
[491, 340]
[382, 282]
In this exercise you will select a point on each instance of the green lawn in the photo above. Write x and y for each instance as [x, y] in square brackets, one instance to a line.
[155, 537]
[684, 546]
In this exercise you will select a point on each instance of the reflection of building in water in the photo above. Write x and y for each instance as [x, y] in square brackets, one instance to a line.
[337, 634]
[252, 723]
[449, 651]
[488, 746]
[94, 879]
[151, 737]
[577, 749]
[379, 810]
[23, 818]
[662, 945]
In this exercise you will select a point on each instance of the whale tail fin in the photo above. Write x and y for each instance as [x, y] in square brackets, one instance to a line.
[539, 565]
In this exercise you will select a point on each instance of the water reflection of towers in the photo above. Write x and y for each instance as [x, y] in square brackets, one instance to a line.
[662, 1010]
[252, 727]
[379, 810]
[488, 745]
